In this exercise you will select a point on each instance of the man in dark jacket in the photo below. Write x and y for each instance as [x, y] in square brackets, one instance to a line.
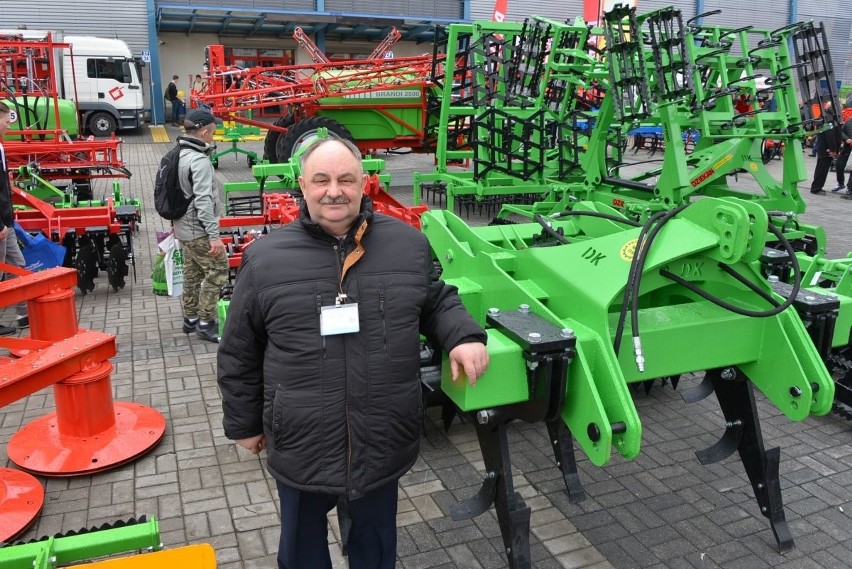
[843, 158]
[176, 102]
[319, 359]
[828, 146]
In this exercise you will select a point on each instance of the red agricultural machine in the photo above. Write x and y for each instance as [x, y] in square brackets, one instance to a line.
[378, 103]
[52, 168]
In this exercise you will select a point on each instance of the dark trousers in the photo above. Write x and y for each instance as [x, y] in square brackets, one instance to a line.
[177, 110]
[823, 165]
[304, 529]
[840, 166]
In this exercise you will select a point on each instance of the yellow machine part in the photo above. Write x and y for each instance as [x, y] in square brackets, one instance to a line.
[199, 556]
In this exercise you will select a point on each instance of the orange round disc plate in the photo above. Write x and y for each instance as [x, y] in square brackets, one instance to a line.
[21, 499]
[39, 447]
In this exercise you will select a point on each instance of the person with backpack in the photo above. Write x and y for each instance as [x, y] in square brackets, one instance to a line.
[205, 265]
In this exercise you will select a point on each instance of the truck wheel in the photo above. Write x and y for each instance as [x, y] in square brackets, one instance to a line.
[102, 124]
[272, 136]
[304, 132]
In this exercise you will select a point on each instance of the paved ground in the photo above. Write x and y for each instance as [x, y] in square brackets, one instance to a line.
[662, 510]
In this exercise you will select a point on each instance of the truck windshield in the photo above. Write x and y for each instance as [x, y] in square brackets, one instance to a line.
[109, 69]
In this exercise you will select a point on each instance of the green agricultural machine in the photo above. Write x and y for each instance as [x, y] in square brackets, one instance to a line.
[597, 274]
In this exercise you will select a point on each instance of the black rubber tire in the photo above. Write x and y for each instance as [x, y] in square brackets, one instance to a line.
[272, 137]
[102, 123]
[304, 131]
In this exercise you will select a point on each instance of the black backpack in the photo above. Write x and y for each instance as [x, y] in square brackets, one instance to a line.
[169, 199]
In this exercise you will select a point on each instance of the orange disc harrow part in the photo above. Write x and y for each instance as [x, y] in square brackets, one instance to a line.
[42, 447]
[21, 499]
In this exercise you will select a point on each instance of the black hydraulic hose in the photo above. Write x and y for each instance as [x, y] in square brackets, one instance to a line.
[797, 283]
[541, 220]
[750, 284]
[631, 276]
[640, 257]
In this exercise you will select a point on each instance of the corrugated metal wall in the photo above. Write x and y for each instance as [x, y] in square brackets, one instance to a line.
[553, 9]
[739, 13]
[687, 7]
[445, 9]
[838, 26]
[123, 20]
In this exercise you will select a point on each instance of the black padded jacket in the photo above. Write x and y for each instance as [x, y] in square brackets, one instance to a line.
[342, 413]
[7, 214]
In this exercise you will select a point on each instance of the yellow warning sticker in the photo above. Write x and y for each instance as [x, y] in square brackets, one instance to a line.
[628, 250]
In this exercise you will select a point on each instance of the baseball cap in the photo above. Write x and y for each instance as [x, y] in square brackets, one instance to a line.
[200, 118]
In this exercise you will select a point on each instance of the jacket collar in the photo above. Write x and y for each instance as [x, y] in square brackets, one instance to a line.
[313, 228]
[187, 141]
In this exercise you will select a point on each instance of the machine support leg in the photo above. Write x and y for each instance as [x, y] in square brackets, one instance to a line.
[563, 450]
[736, 398]
[513, 514]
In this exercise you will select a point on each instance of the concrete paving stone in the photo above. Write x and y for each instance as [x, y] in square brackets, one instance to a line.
[556, 529]
[220, 522]
[462, 556]
[405, 545]
[457, 536]
[423, 537]
[614, 553]
[564, 543]
[831, 523]
[426, 560]
[426, 507]
[602, 534]
[408, 518]
[487, 554]
[834, 557]
[581, 557]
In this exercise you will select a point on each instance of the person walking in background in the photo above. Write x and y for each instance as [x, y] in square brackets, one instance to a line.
[205, 265]
[843, 157]
[320, 358]
[10, 250]
[176, 102]
[828, 146]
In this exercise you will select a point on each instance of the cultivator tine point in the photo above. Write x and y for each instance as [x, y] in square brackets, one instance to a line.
[563, 450]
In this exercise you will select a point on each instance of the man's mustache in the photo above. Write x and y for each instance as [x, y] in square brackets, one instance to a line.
[334, 201]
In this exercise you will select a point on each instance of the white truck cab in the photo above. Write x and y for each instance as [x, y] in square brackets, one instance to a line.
[99, 75]
[108, 86]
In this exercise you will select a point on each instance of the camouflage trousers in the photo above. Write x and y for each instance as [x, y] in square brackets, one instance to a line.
[203, 279]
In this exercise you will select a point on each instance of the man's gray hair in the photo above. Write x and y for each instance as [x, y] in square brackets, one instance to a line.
[320, 141]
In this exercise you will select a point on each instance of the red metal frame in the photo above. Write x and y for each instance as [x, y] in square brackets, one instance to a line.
[55, 159]
[27, 70]
[56, 222]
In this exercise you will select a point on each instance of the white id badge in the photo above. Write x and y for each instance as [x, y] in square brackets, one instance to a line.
[341, 319]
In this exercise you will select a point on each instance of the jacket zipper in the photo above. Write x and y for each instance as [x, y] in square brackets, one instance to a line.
[384, 325]
[319, 315]
[339, 260]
